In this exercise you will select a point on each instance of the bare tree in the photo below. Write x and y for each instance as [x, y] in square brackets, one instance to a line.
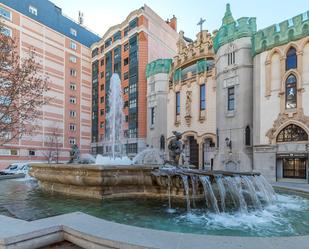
[22, 88]
[52, 142]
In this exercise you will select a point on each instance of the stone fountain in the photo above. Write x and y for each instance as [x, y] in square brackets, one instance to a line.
[148, 175]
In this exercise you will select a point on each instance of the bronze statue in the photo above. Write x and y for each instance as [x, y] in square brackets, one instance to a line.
[175, 148]
[74, 154]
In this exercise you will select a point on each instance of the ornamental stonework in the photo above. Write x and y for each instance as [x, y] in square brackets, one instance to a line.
[284, 118]
[188, 107]
[189, 50]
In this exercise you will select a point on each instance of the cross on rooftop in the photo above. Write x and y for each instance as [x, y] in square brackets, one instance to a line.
[200, 23]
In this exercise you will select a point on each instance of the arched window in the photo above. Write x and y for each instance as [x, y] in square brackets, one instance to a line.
[290, 92]
[162, 142]
[231, 55]
[292, 133]
[248, 136]
[291, 59]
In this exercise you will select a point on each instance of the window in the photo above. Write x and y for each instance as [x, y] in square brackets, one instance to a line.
[202, 97]
[117, 52]
[5, 14]
[73, 72]
[33, 10]
[247, 136]
[126, 76]
[231, 99]
[132, 88]
[102, 125]
[177, 103]
[102, 112]
[72, 127]
[291, 92]
[72, 140]
[117, 36]
[73, 59]
[102, 49]
[127, 118]
[126, 46]
[133, 133]
[126, 90]
[102, 87]
[102, 100]
[291, 59]
[292, 133]
[73, 45]
[117, 68]
[133, 46]
[108, 42]
[6, 152]
[72, 114]
[133, 23]
[102, 75]
[231, 54]
[162, 142]
[132, 103]
[73, 32]
[131, 148]
[152, 116]
[31, 152]
[231, 58]
[72, 100]
[102, 62]
[73, 86]
[6, 31]
[126, 104]
[126, 61]
[133, 119]
[126, 31]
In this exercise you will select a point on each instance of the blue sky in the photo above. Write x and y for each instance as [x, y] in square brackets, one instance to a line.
[101, 14]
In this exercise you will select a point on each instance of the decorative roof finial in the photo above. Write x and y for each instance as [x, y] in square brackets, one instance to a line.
[200, 23]
[228, 17]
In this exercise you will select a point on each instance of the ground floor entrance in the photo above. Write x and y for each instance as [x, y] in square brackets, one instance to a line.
[292, 166]
[194, 151]
[295, 168]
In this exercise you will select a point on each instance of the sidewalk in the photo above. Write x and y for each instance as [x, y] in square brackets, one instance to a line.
[292, 186]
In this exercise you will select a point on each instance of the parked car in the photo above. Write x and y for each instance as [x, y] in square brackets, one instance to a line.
[16, 168]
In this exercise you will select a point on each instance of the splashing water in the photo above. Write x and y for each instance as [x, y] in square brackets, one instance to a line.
[115, 116]
[149, 156]
[222, 191]
[209, 192]
[186, 187]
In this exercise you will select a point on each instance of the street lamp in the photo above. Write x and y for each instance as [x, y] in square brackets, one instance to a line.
[228, 143]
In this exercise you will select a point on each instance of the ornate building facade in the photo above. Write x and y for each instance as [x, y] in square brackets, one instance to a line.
[157, 73]
[192, 99]
[234, 66]
[256, 112]
[281, 99]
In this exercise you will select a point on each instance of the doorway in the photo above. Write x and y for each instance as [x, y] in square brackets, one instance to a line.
[295, 168]
[193, 147]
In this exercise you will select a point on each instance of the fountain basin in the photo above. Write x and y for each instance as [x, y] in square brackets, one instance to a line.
[97, 181]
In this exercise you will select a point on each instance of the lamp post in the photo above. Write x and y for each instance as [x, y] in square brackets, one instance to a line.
[228, 142]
